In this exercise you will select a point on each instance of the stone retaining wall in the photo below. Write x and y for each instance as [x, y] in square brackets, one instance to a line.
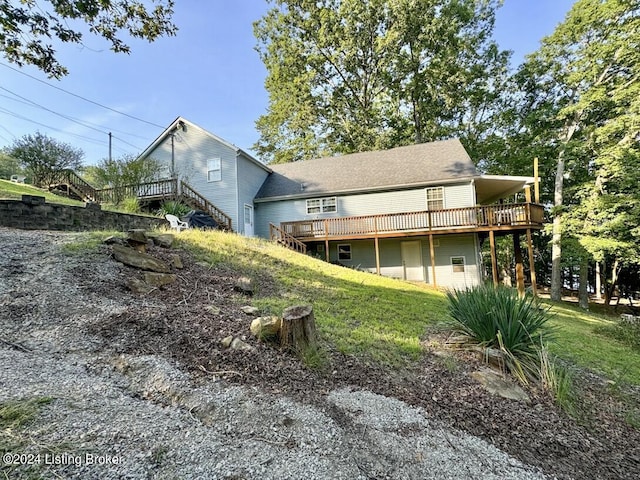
[33, 213]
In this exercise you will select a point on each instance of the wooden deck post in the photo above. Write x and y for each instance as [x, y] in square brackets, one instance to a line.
[377, 246]
[432, 253]
[494, 260]
[519, 267]
[532, 266]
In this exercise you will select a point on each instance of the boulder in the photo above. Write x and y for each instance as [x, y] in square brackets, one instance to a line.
[138, 286]
[266, 327]
[498, 385]
[249, 310]
[175, 261]
[159, 279]
[244, 285]
[137, 239]
[164, 240]
[131, 257]
[238, 344]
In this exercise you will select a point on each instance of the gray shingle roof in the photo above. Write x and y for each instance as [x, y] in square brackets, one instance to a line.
[400, 167]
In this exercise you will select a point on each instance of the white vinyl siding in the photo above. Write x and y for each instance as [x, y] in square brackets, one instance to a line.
[214, 170]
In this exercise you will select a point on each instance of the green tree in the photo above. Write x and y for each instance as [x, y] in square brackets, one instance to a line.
[588, 71]
[42, 156]
[9, 166]
[27, 27]
[346, 75]
[122, 171]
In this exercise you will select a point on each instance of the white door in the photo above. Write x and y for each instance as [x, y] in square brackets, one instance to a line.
[411, 253]
[248, 221]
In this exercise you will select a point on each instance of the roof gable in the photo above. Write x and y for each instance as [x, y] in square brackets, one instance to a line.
[397, 168]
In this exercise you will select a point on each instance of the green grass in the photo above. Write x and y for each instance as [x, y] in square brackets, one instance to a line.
[579, 342]
[14, 416]
[357, 313]
[14, 191]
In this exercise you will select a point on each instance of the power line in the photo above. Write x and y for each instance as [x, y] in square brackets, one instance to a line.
[81, 97]
[84, 123]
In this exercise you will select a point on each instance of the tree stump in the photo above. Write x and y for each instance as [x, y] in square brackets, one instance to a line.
[298, 330]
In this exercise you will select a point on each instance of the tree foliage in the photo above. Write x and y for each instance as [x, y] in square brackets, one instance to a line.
[122, 171]
[41, 156]
[8, 166]
[347, 75]
[28, 27]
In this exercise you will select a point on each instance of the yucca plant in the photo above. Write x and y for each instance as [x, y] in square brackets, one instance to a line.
[497, 317]
[173, 207]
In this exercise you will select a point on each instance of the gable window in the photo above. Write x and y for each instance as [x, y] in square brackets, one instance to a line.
[344, 251]
[214, 170]
[457, 264]
[435, 198]
[322, 205]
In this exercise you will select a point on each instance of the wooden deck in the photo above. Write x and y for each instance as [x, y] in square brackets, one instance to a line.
[482, 218]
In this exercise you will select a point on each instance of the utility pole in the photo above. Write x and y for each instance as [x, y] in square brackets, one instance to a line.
[109, 146]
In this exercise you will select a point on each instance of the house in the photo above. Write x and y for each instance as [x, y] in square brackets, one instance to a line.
[418, 212]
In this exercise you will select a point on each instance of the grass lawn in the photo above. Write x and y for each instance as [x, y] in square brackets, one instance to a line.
[384, 319]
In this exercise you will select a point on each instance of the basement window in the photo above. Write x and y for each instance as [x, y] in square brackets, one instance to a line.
[322, 205]
[214, 170]
[457, 264]
[344, 251]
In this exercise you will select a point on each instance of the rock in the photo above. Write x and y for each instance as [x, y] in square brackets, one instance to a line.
[244, 285]
[266, 327]
[238, 344]
[130, 257]
[226, 341]
[213, 309]
[175, 261]
[249, 310]
[137, 239]
[492, 356]
[113, 240]
[159, 279]
[164, 240]
[138, 286]
[496, 384]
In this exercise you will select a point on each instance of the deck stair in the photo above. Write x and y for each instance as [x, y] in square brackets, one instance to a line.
[72, 185]
[283, 238]
[192, 198]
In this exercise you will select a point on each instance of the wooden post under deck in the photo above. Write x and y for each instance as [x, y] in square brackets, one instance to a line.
[519, 267]
[494, 260]
[375, 240]
[432, 253]
[532, 267]
[326, 250]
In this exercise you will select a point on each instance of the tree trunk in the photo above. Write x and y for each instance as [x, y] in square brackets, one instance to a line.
[298, 331]
[583, 292]
[556, 247]
[598, 282]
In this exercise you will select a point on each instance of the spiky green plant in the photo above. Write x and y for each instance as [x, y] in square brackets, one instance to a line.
[173, 207]
[497, 317]
[130, 205]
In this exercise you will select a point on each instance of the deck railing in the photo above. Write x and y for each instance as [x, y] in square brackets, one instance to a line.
[283, 238]
[158, 189]
[521, 215]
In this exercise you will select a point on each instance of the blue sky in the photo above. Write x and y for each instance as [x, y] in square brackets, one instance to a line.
[209, 73]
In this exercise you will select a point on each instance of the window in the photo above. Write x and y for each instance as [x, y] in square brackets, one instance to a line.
[344, 252]
[322, 205]
[164, 173]
[214, 170]
[435, 198]
[457, 264]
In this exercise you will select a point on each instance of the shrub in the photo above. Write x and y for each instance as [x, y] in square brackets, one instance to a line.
[130, 205]
[497, 317]
[173, 208]
[627, 333]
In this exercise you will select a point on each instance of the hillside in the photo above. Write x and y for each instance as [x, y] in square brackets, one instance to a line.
[383, 400]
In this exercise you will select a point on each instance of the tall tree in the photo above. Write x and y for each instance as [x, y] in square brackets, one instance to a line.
[589, 69]
[347, 75]
[27, 27]
[42, 156]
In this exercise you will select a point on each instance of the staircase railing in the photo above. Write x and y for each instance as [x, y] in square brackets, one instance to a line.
[74, 183]
[283, 238]
[198, 201]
